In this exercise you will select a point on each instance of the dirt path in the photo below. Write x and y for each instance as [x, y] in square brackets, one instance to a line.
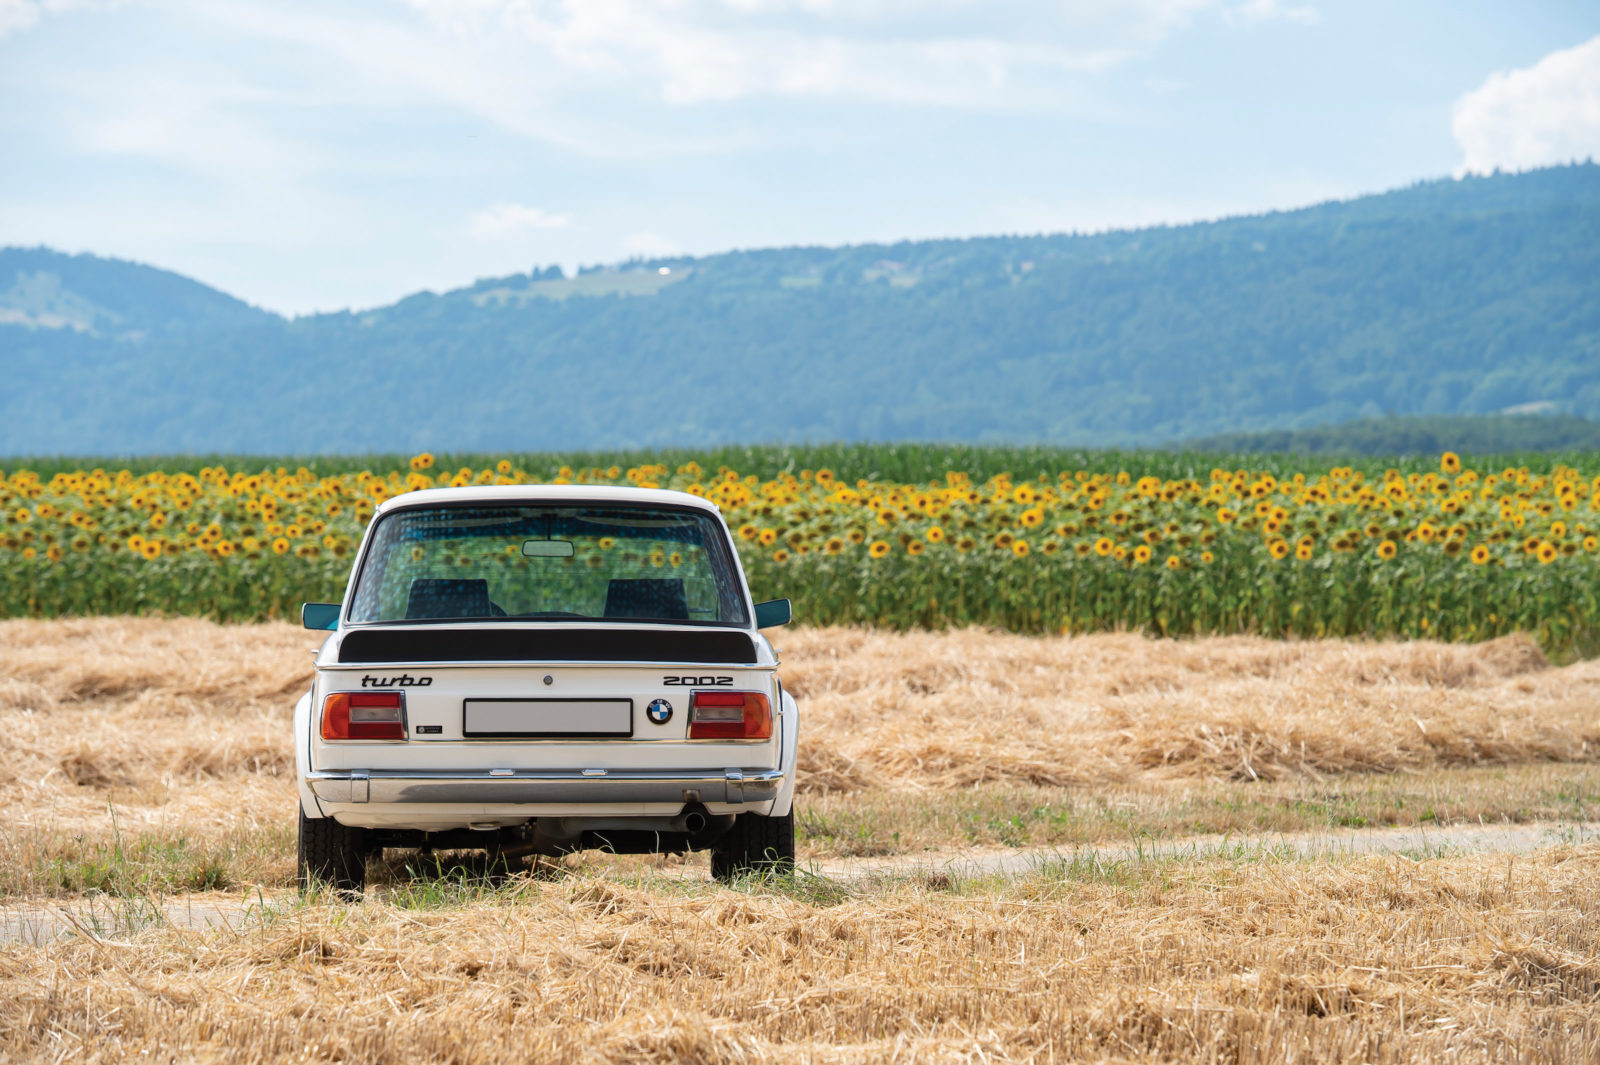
[37, 923]
[1421, 841]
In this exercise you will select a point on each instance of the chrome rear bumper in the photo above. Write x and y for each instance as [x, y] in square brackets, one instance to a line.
[551, 786]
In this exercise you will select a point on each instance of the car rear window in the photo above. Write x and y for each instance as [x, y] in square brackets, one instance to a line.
[549, 563]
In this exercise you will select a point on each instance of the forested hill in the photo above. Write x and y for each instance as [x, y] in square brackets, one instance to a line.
[1447, 297]
[109, 297]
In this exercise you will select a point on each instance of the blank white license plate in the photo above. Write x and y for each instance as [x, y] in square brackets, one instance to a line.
[547, 717]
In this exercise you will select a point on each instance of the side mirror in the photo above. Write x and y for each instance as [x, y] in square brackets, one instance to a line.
[772, 613]
[320, 615]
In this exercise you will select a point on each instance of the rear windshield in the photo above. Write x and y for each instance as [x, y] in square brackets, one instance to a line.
[549, 563]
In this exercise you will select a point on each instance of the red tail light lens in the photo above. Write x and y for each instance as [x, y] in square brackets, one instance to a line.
[729, 716]
[364, 716]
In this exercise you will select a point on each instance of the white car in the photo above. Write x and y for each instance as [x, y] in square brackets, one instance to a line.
[539, 669]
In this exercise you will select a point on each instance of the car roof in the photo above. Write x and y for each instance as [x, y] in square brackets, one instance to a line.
[547, 493]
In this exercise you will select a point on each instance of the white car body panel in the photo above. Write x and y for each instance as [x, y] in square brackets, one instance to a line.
[654, 773]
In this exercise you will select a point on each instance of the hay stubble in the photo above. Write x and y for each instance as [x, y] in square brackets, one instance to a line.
[181, 727]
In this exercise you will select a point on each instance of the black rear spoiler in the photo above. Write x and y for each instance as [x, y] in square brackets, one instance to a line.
[696, 646]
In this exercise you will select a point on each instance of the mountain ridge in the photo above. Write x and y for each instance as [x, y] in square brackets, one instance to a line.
[1445, 297]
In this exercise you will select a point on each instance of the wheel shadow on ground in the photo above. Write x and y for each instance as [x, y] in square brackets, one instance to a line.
[421, 873]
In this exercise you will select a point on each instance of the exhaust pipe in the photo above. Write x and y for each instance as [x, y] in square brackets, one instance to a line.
[700, 826]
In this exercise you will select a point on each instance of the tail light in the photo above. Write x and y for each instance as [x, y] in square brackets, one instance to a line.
[364, 716]
[729, 716]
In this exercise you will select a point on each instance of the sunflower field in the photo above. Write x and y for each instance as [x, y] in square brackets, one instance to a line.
[1446, 552]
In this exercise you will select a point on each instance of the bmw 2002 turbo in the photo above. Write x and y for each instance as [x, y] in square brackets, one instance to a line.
[540, 669]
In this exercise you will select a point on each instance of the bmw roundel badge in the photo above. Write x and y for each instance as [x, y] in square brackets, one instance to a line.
[659, 711]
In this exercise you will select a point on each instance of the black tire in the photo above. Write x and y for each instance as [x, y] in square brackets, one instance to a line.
[755, 844]
[332, 854]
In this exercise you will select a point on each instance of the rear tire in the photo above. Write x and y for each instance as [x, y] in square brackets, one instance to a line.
[332, 854]
[755, 844]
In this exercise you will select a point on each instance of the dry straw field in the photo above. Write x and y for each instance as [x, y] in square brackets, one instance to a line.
[149, 758]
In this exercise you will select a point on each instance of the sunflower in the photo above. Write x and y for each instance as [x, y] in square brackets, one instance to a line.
[1303, 551]
[423, 461]
[503, 466]
[1548, 553]
[965, 544]
[916, 547]
[1141, 554]
[1207, 557]
[878, 549]
[1450, 462]
[1279, 548]
[151, 550]
[935, 535]
[1020, 548]
[780, 555]
[748, 532]
[1480, 554]
[1387, 549]
[280, 546]
[1174, 562]
[1104, 546]
[833, 546]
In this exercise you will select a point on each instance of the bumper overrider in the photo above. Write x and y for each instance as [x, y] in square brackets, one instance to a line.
[566, 786]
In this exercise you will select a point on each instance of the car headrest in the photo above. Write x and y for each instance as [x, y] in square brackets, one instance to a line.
[662, 599]
[448, 598]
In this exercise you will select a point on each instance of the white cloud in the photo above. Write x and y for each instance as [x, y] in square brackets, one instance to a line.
[1267, 10]
[512, 219]
[970, 53]
[25, 14]
[17, 15]
[1544, 114]
[649, 245]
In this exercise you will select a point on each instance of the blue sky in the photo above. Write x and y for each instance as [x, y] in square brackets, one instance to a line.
[319, 155]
